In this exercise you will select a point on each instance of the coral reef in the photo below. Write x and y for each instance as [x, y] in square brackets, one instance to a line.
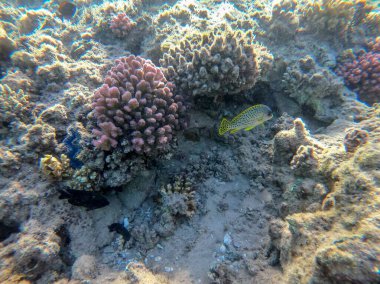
[121, 25]
[362, 72]
[85, 268]
[287, 142]
[215, 64]
[136, 104]
[40, 138]
[210, 209]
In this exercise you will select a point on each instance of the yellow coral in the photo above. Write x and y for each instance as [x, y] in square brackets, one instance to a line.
[55, 168]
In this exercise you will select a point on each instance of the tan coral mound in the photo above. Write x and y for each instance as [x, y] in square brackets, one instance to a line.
[215, 63]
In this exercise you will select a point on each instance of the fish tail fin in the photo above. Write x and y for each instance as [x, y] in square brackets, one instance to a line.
[63, 194]
[224, 126]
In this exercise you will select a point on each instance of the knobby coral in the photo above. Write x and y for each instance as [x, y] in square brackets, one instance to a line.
[136, 103]
[362, 72]
[121, 25]
[215, 63]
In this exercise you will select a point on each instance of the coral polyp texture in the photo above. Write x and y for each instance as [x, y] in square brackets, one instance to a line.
[284, 21]
[215, 64]
[136, 104]
[361, 72]
[14, 105]
[121, 25]
[335, 17]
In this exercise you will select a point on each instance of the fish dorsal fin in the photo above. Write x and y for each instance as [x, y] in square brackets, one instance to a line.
[236, 118]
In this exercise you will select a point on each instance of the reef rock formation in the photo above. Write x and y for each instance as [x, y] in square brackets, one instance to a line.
[337, 240]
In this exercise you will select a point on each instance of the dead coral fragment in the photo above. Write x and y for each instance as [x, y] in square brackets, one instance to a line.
[354, 138]
[55, 168]
[179, 197]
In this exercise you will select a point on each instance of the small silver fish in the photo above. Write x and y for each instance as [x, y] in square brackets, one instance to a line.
[247, 119]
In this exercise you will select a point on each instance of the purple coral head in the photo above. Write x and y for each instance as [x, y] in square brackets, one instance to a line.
[121, 25]
[136, 102]
[362, 73]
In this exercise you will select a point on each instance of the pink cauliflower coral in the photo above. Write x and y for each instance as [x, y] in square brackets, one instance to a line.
[136, 102]
[362, 73]
[121, 25]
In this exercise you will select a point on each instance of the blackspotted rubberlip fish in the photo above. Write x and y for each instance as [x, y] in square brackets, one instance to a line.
[248, 119]
[88, 199]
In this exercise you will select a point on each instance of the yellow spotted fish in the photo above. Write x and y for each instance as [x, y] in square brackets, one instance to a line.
[247, 119]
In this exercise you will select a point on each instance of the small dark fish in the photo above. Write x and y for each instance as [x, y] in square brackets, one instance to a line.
[67, 9]
[120, 229]
[89, 199]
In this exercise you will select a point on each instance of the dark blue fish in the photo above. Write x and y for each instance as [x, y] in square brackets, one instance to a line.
[89, 199]
[121, 230]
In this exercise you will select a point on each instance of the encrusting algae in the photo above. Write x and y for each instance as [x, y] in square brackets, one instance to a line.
[247, 119]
